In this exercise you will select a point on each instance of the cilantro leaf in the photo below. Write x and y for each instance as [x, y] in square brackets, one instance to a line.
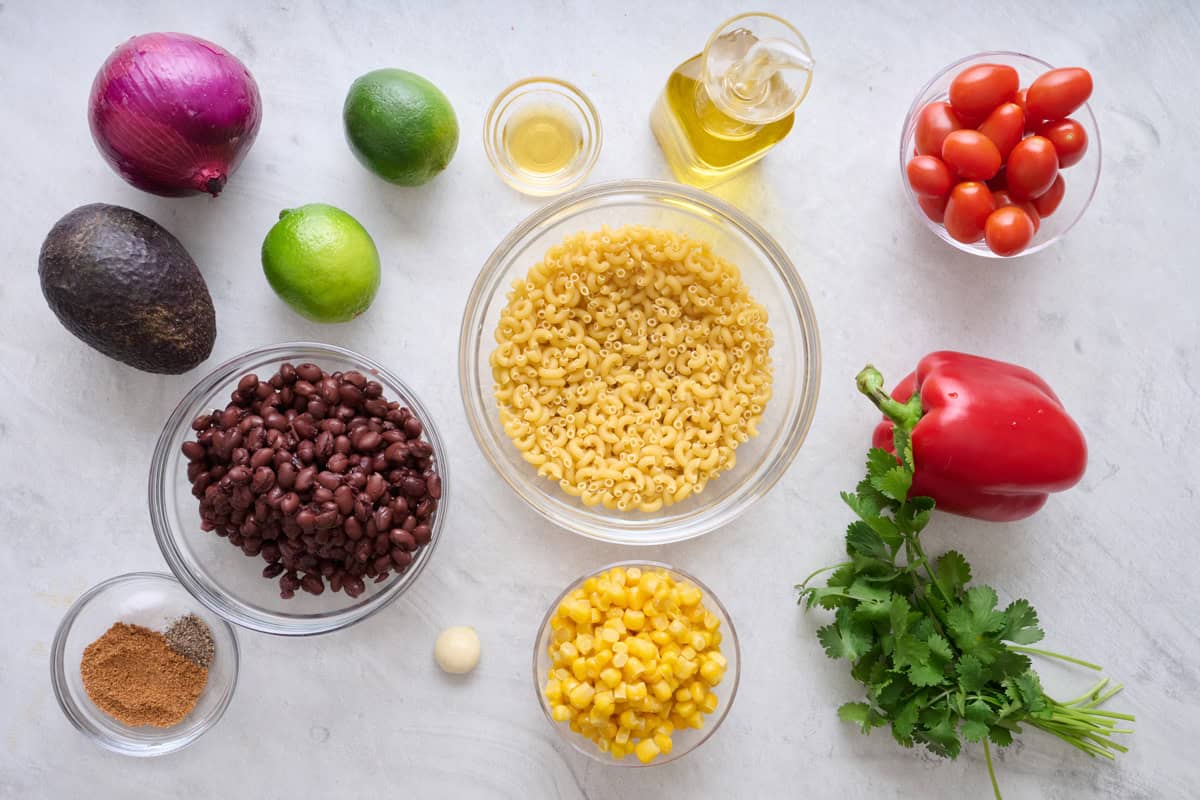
[972, 623]
[862, 715]
[971, 676]
[866, 546]
[904, 720]
[862, 590]
[1021, 623]
[879, 463]
[845, 638]
[953, 572]
[894, 483]
[899, 613]
[979, 717]
[939, 733]
[1000, 735]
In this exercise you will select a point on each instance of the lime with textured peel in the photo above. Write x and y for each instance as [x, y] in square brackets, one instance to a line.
[400, 126]
[321, 262]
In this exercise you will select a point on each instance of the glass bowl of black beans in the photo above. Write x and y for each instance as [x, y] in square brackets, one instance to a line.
[298, 488]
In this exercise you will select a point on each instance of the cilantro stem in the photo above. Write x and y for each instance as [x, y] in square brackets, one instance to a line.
[802, 585]
[1049, 654]
[987, 756]
[1092, 693]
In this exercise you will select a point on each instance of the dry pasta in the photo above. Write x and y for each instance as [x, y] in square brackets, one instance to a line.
[630, 364]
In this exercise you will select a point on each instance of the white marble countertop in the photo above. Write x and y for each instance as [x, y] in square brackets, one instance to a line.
[1108, 316]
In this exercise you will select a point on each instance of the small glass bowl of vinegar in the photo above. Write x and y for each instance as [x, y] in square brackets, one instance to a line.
[542, 136]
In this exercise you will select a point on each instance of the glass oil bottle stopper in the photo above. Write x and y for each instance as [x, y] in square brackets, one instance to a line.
[723, 109]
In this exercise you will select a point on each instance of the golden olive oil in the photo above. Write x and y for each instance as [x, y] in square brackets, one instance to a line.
[542, 140]
[723, 109]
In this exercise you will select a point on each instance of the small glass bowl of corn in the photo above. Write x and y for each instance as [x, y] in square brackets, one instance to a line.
[636, 664]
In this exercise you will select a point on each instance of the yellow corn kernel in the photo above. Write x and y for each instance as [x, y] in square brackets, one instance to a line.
[664, 728]
[646, 750]
[710, 621]
[580, 612]
[697, 691]
[688, 595]
[582, 695]
[630, 720]
[620, 647]
[610, 677]
[634, 620]
[618, 751]
[660, 638]
[620, 659]
[696, 720]
[617, 576]
[561, 713]
[579, 669]
[664, 743]
[685, 669]
[620, 693]
[602, 657]
[699, 641]
[679, 631]
[662, 690]
[622, 735]
[660, 622]
[603, 703]
[589, 586]
[562, 673]
[683, 694]
[603, 745]
[688, 652]
[584, 644]
[610, 636]
[553, 691]
[633, 668]
[564, 633]
[649, 608]
[709, 704]
[642, 648]
[685, 710]
[635, 692]
[711, 672]
[633, 574]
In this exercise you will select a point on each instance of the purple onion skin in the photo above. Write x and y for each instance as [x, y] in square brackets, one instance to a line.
[173, 114]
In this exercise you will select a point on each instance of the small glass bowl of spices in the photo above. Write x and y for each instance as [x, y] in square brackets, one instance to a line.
[140, 667]
[542, 136]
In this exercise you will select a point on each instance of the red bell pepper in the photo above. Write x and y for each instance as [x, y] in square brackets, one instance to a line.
[989, 440]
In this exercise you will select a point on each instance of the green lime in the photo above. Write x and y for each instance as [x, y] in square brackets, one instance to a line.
[321, 262]
[400, 126]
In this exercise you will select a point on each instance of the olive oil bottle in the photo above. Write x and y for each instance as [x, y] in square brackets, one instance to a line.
[723, 109]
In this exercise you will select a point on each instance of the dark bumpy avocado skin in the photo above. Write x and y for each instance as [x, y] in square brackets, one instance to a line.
[124, 285]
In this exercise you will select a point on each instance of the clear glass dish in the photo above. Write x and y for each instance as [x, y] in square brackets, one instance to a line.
[222, 577]
[684, 740]
[153, 600]
[1081, 179]
[557, 100]
[772, 280]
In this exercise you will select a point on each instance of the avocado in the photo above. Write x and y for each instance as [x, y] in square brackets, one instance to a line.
[124, 285]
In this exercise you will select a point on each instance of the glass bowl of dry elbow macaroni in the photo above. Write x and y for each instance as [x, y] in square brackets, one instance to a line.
[639, 361]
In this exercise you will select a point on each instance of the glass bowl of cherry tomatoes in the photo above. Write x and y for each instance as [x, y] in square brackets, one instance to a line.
[1000, 153]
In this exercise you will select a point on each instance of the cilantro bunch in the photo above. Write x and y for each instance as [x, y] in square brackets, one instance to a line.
[939, 661]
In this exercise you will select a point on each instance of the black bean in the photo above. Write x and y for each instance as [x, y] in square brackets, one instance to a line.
[434, 484]
[263, 480]
[309, 372]
[402, 539]
[401, 558]
[422, 533]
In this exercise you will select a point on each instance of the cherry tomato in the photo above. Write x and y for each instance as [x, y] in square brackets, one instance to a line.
[1004, 126]
[1008, 230]
[934, 121]
[934, 207]
[976, 90]
[1001, 198]
[1057, 93]
[971, 155]
[967, 211]
[1031, 168]
[1048, 202]
[929, 176]
[1030, 122]
[1069, 140]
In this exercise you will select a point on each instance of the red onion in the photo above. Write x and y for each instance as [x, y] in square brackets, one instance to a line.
[174, 114]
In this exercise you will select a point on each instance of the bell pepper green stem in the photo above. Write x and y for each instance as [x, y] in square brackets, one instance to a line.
[905, 415]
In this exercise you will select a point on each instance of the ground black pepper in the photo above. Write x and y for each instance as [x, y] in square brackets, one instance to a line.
[191, 638]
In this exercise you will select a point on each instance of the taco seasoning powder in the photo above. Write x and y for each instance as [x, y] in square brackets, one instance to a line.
[132, 674]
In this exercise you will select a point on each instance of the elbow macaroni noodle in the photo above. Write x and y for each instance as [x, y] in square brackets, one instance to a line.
[629, 365]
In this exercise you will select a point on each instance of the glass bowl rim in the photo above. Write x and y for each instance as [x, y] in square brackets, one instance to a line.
[794, 430]
[1093, 144]
[576, 741]
[228, 606]
[587, 115]
[66, 699]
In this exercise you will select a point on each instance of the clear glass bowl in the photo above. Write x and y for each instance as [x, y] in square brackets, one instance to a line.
[153, 600]
[773, 281]
[219, 574]
[1081, 179]
[559, 100]
[684, 740]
